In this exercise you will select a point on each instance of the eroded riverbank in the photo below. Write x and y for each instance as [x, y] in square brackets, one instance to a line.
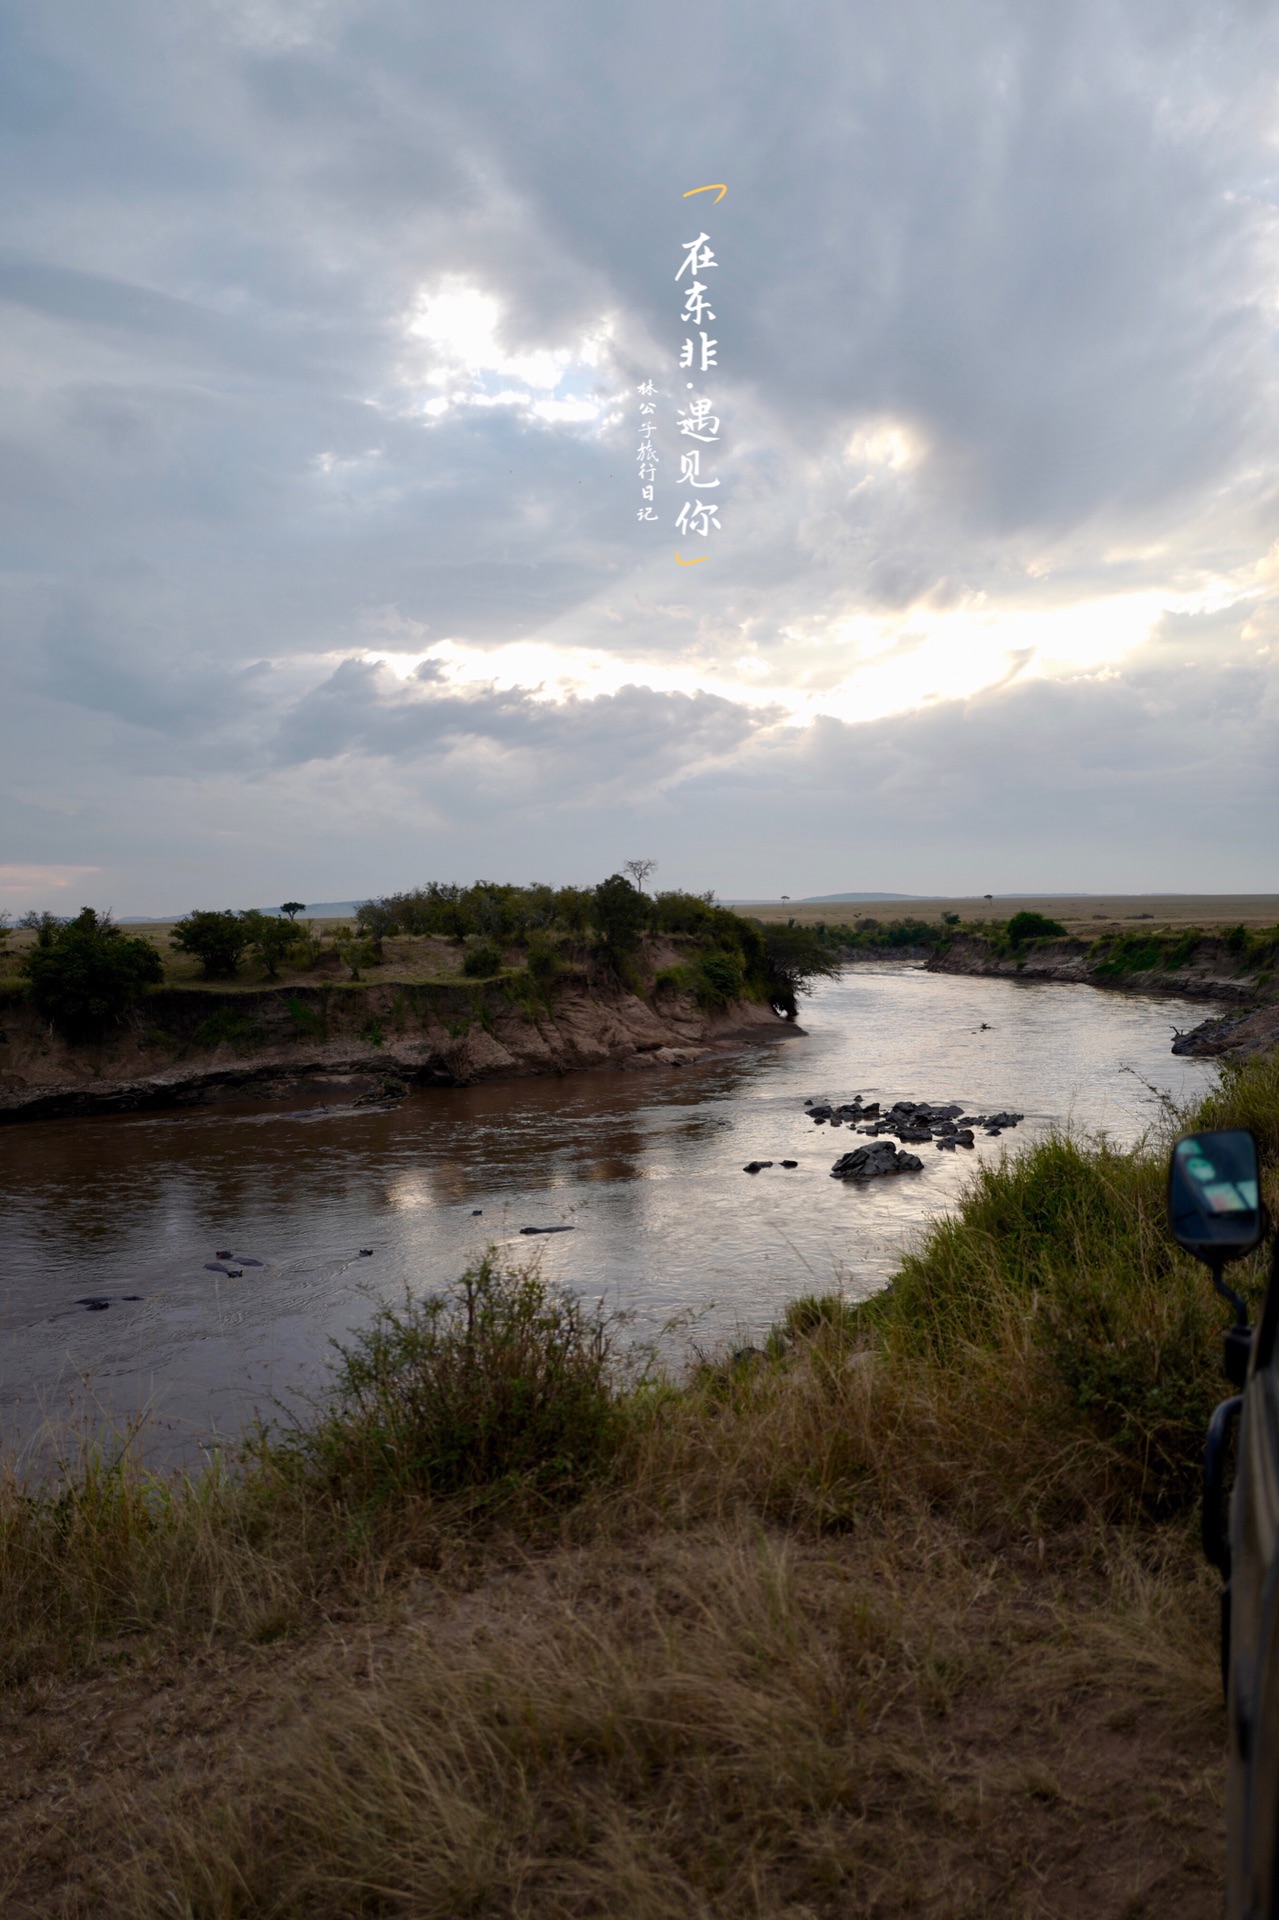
[357, 1040]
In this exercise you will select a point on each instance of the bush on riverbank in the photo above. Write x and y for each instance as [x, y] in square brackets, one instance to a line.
[86, 976]
[500, 1384]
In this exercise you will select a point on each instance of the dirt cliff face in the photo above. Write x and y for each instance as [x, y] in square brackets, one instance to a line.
[186, 1046]
[1204, 970]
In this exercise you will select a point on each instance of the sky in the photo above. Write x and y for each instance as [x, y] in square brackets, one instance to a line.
[322, 329]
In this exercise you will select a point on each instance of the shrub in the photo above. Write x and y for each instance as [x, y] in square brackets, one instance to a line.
[679, 912]
[226, 1028]
[1059, 1264]
[498, 1383]
[216, 939]
[1182, 950]
[619, 912]
[85, 975]
[482, 960]
[499, 912]
[1033, 926]
[270, 938]
[543, 957]
[719, 978]
[1237, 940]
[811, 1313]
[304, 1018]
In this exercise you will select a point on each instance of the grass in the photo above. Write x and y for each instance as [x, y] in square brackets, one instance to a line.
[902, 1614]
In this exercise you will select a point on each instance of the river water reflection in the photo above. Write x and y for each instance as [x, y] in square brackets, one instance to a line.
[646, 1167]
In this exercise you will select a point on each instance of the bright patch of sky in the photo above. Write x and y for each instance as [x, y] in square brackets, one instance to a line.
[462, 361]
[863, 668]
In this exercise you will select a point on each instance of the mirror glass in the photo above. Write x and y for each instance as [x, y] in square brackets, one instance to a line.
[1213, 1203]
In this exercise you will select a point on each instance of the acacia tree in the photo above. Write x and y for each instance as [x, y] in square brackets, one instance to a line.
[639, 871]
[293, 908]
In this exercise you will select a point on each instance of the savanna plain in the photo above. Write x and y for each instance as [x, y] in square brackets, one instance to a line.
[901, 1613]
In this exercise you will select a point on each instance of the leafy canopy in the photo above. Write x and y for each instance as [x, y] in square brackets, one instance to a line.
[216, 939]
[85, 975]
[620, 912]
[1032, 926]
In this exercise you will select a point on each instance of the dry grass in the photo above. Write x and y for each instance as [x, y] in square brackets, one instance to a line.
[726, 1719]
[1085, 913]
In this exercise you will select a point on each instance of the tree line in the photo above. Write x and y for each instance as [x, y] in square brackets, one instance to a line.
[86, 974]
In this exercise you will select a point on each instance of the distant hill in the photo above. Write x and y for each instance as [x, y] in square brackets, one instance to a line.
[817, 899]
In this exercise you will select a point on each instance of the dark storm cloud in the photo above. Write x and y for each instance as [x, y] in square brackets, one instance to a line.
[1036, 239]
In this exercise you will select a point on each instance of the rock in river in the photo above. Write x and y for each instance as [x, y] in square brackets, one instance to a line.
[867, 1163]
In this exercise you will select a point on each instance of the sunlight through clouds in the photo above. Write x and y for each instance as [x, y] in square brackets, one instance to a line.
[457, 327]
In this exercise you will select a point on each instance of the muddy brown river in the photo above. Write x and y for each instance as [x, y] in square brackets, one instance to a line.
[645, 1167]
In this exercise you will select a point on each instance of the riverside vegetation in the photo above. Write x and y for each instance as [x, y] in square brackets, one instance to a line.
[901, 1613]
[91, 981]
[87, 978]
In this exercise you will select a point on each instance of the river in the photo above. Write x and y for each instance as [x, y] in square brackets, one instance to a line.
[647, 1168]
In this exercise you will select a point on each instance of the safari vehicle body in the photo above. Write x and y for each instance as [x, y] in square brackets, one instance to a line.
[1252, 1647]
[1215, 1210]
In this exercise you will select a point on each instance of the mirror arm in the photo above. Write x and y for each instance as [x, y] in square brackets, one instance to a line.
[1228, 1293]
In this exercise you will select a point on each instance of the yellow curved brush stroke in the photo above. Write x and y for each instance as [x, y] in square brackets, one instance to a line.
[718, 190]
[692, 563]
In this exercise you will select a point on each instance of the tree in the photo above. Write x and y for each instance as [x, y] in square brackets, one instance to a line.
[85, 975]
[573, 908]
[293, 908]
[620, 912]
[794, 958]
[43, 925]
[216, 939]
[270, 938]
[639, 871]
[1032, 926]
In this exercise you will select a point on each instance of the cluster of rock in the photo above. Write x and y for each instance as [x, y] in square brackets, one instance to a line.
[914, 1122]
[867, 1163]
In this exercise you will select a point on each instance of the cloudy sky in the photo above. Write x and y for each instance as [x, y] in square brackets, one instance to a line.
[322, 325]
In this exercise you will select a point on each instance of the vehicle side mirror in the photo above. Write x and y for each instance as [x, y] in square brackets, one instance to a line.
[1215, 1212]
[1214, 1199]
